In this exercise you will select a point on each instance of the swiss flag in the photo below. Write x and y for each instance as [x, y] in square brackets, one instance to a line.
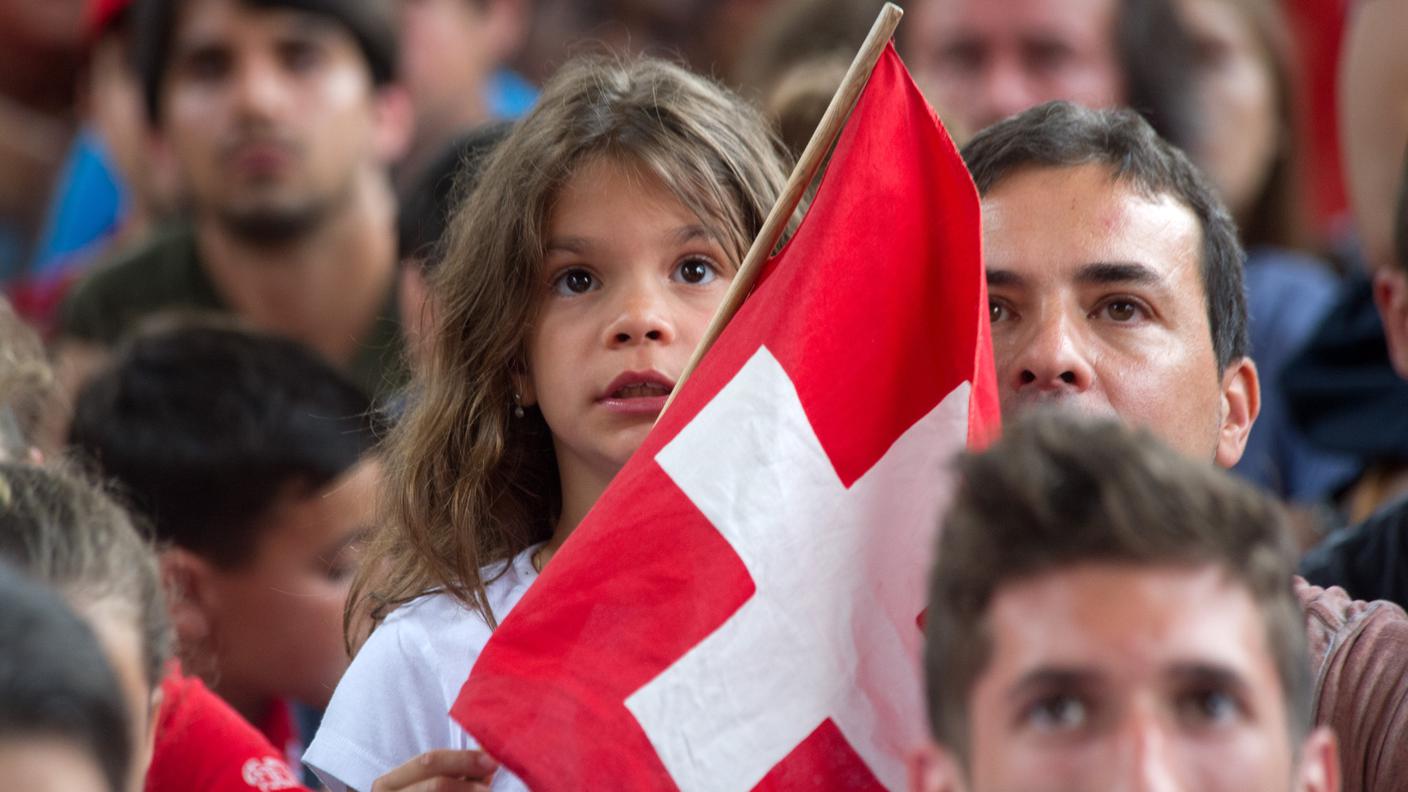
[740, 608]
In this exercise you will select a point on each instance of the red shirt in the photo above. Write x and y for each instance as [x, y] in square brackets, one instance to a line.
[202, 743]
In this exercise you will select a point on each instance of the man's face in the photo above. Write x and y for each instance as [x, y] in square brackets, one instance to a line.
[449, 50]
[1117, 677]
[980, 61]
[271, 114]
[1098, 306]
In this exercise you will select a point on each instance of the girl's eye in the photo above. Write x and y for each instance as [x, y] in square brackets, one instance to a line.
[574, 281]
[696, 272]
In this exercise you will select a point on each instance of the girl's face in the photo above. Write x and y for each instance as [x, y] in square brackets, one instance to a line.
[630, 281]
[1237, 96]
[118, 633]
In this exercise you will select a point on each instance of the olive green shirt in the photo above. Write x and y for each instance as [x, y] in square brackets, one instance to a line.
[164, 274]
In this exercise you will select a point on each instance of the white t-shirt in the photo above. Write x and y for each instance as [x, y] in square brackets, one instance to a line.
[394, 701]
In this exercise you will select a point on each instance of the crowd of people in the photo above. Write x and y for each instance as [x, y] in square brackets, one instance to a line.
[328, 321]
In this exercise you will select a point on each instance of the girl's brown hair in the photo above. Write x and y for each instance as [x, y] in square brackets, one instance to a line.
[468, 484]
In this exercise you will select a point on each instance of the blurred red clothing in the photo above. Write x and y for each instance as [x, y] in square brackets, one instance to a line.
[202, 743]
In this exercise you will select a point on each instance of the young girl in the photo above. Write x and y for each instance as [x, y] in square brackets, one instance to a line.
[577, 279]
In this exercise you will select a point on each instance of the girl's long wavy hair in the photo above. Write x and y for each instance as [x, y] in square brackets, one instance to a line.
[468, 485]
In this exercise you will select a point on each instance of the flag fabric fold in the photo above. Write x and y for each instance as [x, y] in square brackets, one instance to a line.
[739, 609]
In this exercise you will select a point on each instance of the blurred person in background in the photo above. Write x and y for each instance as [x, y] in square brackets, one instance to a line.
[61, 530]
[1248, 145]
[114, 187]
[1370, 560]
[1342, 389]
[63, 719]
[795, 58]
[447, 181]
[251, 459]
[282, 119]
[26, 383]
[453, 56]
[980, 61]
[41, 54]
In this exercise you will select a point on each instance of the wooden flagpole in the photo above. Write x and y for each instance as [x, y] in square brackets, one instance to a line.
[827, 130]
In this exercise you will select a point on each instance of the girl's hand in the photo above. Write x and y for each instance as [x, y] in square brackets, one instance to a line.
[441, 771]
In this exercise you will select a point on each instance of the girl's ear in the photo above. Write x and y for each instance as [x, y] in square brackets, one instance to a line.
[190, 594]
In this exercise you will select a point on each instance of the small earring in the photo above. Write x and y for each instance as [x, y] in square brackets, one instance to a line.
[517, 405]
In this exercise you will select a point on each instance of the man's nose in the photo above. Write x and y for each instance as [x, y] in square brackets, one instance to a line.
[1152, 765]
[260, 87]
[1052, 358]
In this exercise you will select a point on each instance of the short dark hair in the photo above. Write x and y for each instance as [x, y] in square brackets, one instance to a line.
[63, 531]
[1061, 135]
[154, 25]
[447, 180]
[1059, 491]
[55, 681]
[204, 429]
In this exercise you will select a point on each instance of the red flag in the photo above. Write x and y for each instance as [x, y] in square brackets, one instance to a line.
[739, 609]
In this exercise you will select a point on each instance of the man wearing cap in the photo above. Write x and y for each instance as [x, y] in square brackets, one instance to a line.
[282, 118]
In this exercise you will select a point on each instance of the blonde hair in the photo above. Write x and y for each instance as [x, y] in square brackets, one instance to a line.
[468, 484]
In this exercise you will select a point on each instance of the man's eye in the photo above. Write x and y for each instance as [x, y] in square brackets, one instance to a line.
[696, 271]
[574, 281]
[998, 312]
[1059, 713]
[206, 65]
[1208, 707]
[1122, 310]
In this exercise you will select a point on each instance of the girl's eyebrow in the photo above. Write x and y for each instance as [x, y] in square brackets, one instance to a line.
[569, 244]
[690, 233]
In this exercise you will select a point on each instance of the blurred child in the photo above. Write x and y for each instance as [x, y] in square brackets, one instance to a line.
[63, 722]
[250, 457]
[577, 280]
[63, 532]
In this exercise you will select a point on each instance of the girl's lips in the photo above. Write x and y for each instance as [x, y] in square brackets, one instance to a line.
[640, 405]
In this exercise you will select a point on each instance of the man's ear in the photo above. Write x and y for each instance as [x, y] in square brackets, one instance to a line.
[1241, 403]
[1391, 297]
[191, 595]
[395, 122]
[933, 768]
[1319, 763]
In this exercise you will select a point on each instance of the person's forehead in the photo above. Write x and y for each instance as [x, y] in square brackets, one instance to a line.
[1086, 20]
[203, 21]
[1050, 222]
[1128, 621]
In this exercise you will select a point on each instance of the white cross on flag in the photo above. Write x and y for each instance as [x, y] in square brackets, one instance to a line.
[740, 610]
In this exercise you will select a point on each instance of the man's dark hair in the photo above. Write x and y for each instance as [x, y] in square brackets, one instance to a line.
[1062, 135]
[207, 428]
[450, 177]
[55, 682]
[1058, 492]
[154, 25]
